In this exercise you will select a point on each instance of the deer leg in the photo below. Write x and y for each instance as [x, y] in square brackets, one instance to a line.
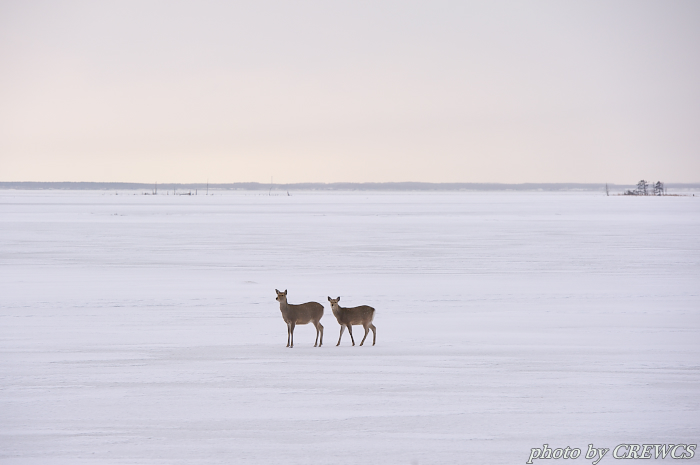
[350, 331]
[374, 333]
[291, 329]
[366, 331]
[317, 332]
[320, 328]
[288, 334]
[342, 328]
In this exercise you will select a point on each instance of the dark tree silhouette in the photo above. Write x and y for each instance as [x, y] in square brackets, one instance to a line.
[659, 188]
[642, 187]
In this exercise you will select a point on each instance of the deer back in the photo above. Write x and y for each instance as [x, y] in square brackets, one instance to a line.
[364, 314]
[302, 314]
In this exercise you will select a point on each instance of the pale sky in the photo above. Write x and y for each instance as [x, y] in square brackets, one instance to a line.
[361, 91]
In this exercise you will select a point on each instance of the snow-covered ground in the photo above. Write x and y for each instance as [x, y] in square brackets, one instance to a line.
[144, 329]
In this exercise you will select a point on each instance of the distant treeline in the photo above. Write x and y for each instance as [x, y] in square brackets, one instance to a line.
[337, 186]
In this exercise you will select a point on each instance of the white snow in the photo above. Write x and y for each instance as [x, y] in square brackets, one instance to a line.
[144, 329]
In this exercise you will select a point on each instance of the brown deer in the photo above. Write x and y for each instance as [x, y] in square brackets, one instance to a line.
[362, 315]
[310, 312]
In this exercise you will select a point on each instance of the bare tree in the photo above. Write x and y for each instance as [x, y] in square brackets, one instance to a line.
[659, 188]
[642, 187]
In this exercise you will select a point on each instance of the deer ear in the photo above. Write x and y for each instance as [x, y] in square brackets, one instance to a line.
[338, 298]
[277, 291]
[329, 298]
[285, 292]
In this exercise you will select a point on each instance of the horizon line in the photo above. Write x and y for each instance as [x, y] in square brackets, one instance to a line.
[389, 185]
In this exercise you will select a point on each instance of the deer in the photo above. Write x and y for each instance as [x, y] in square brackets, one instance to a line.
[362, 315]
[309, 312]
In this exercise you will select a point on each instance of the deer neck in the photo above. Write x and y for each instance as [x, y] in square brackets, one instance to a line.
[284, 307]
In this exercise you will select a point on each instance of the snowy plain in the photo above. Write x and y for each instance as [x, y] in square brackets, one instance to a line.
[144, 329]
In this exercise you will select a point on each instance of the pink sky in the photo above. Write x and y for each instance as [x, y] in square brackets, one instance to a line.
[355, 91]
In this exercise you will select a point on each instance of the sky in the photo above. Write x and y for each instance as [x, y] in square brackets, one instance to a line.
[361, 91]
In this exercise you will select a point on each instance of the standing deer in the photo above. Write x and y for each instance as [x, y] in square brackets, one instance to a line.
[362, 315]
[310, 312]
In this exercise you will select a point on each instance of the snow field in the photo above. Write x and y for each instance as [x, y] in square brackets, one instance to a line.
[144, 329]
